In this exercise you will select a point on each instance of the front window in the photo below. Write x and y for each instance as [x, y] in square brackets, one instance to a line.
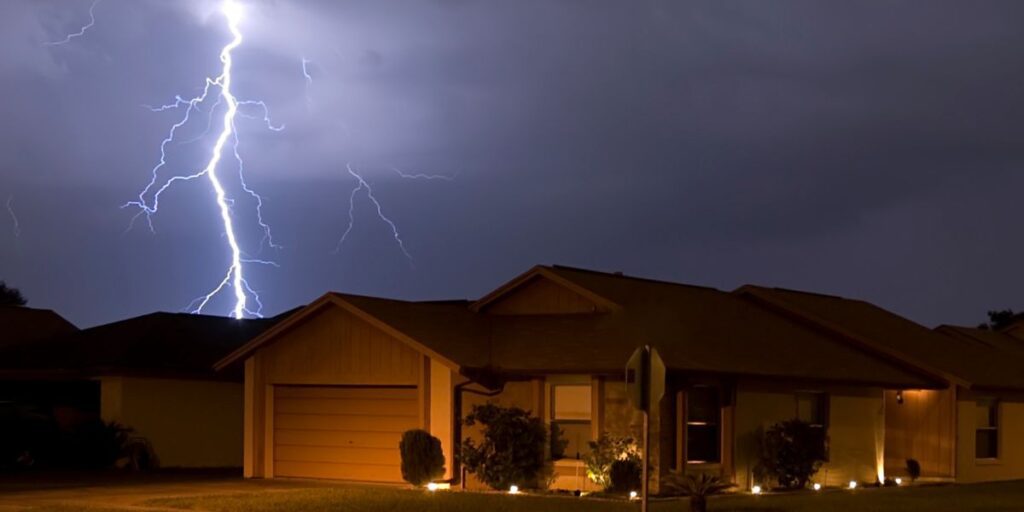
[703, 425]
[572, 413]
[986, 431]
[812, 408]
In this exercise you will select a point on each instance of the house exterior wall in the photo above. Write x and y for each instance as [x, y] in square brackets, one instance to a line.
[331, 348]
[1010, 463]
[923, 428]
[190, 423]
[856, 430]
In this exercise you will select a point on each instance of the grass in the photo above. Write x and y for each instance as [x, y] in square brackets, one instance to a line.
[991, 497]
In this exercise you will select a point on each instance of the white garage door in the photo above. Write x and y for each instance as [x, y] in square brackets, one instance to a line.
[346, 433]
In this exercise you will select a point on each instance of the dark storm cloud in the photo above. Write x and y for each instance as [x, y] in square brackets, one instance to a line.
[868, 148]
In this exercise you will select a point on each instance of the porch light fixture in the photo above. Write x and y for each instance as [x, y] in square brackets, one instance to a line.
[817, 486]
[755, 489]
[513, 489]
[853, 484]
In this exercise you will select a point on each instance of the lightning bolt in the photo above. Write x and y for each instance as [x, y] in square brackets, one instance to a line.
[309, 80]
[81, 32]
[363, 185]
[148, 202]
[14, 218]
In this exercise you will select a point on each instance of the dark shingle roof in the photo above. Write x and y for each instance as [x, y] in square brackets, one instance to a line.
[975, 364]
[19, 324]
[153, 345]
[695, 328]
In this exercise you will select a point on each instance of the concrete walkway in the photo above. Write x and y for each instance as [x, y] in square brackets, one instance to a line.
[26, 491]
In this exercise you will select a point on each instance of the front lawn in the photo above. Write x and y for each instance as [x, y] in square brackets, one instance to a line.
[993, 497]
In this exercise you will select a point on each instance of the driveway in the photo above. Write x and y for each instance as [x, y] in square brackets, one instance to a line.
[27, 490]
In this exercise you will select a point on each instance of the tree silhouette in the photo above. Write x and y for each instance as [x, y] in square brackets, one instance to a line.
[10, 296]
[997, 319]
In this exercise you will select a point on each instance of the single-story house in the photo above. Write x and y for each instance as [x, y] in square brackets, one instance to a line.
[151, 373]
[330, 389]
[963, 431]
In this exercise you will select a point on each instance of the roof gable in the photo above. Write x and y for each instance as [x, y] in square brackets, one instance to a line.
[432, 328]
[540, 291]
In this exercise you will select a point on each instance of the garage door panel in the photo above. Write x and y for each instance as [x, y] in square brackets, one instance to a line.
[356, 392]
[336, 438]
[348, 406]
[339, 471]
[349, 433]
[345, 422]
[343, 454]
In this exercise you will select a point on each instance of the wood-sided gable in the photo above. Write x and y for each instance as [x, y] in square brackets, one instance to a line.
[542, 292]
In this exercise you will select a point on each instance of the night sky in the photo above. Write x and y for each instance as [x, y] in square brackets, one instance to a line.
[871, 149]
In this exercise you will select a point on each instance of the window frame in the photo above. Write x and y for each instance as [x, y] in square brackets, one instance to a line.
[824, 403]
[717, 424]
[994, 406]
[552, 409]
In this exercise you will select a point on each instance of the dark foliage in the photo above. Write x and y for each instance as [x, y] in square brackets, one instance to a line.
[422, 457]
[697, 488]
[558, 443]
[998, 319]
[606, 450]
[512, 449]
[913, 469]
[790, 453]
[625, 476]
[10, 296]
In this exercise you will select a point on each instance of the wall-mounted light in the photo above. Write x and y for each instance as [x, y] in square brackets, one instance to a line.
[853, 484]
[899, 397]
[755, 489]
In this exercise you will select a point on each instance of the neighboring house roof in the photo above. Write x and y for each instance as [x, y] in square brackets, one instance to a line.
[23, 324]
[878, 330]
[177, 345]
[994, 340]
[695, 329]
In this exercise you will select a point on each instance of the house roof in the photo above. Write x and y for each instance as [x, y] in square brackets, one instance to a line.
[998, 341]
[878, 330]
[23, 324]
[153, 345]
[447, 330]
[695, 329]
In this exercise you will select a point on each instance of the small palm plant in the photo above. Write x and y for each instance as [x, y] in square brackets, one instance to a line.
[697, 488]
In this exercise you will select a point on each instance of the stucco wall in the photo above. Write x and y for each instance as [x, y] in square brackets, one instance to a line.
[190, 423]
[1010, 464]
[856, 430]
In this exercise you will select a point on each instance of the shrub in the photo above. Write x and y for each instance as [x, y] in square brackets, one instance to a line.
[625, 476]
[558, 443]
[512, 450]
[697, 488]
[99, 445]
[791, 453]
[606, 450]
[913, 469]
[422, 458]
